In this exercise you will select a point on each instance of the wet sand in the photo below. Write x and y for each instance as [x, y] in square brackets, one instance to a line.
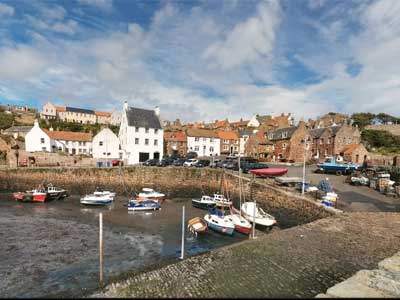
[51, 249]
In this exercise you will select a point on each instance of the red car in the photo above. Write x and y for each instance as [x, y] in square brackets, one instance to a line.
[116, 162]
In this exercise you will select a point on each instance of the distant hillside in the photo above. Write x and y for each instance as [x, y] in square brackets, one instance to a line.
[380, 141]
[77, 127]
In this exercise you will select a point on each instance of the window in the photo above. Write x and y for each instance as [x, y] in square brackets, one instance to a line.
[101, 143]
[211, 140]
[284, 134]
[284, 146]
[321, 141]
[226, 147]
[136, 129]
[204, 139]
[80, 150]
[136, 141]
[80, 143]
[211, 149]
[235, 148]
[236, 142]
[146, 142]
[43, 148]
[84, 150]
[226, 141]
[155, 131]
[84, 143]
[196, 139]
[42, 140]
[196, 148]
[59, 148]
[329, 140]
[326, 152]
[147, 130]
[155, 142]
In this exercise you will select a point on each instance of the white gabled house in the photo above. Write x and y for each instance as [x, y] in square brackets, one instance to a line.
[141, 135]
[204, 142]
[38, 139]
[106, 145]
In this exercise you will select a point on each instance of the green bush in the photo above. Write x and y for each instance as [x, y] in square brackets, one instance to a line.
[21, 139]
[380, 139]
[6, 120]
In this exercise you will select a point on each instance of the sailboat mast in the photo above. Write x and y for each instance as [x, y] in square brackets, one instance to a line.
[240, 190]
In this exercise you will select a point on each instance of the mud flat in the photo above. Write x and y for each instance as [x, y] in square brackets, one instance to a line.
[51, 249]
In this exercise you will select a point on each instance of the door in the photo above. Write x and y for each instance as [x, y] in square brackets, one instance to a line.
[143, 156]
[156, 155]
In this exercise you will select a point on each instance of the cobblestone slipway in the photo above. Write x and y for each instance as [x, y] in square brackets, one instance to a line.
[302, 261]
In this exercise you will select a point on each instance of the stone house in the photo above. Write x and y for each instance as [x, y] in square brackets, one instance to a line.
[345, 135]
[229, 142]
[244, 135]
[258, 146]
[141, 135]
[175, 141]
[16, 131]
[204, 142]
[355, 153]
[106, 145]
[290, 143]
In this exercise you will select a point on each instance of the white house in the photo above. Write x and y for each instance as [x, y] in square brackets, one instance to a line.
[49, 111]
[38, 139]
[141, 135]
[204, 142]
[256, 120]
[106, 145]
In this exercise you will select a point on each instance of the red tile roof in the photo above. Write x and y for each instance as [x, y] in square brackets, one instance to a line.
[176, 136]
[197, 132]
[69, 135]
[103, 114]
[60, 108]
[228, 135]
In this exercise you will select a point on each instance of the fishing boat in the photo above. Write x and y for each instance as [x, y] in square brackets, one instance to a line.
[150, 194]
[97, 198]
[37, 195]
[55, 193]
[269, 172]
[220, 200]
[205, 202]
[253, 213]
[143, 205]
[219, 223]
[197, 225]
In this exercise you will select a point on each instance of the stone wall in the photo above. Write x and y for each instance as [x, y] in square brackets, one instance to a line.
[289, 209]
[393, 129]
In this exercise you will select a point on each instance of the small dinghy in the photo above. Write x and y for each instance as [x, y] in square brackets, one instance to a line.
[197, 225]
[253, 213]
[220, 200]
[97, 198]
[219, 223]
[143, 205]
[269, 172]
[205, 202]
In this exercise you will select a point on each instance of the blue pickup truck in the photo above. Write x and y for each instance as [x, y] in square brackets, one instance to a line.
[330, 165]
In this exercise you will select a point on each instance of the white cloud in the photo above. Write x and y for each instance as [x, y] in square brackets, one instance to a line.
[70, 27]
[6, 10]
[105, 5]
[248, 41]
[315, 4]
[55, 12]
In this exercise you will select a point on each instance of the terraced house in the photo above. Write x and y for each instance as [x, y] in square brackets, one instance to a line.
[204, 142]
[175, 141]
[229, 142]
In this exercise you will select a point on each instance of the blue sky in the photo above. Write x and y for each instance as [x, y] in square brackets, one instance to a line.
[203, 60]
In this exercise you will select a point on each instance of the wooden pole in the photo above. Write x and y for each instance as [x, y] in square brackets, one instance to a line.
[183, 233]
[101, 245]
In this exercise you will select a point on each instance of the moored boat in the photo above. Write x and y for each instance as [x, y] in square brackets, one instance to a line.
[269, 172]
[219, 223]
[97, 198]
[36, 195]
[197, 225]
[205, 202]
[150, 194]
[143, 205]
[55, 193]
[253, 213]
[242, 225]
[220, 200]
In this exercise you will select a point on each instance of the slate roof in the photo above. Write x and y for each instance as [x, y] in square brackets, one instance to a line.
[261, 119]
[335, 129]
[278, 134]
[80, 110]
[245, 131]
[139, 117]
[15, 129]
[317, 132]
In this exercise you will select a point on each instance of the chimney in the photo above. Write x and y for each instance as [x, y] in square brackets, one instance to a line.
[51, 128]
[282, 114]
[36, 123]
[157, 111]
[125, 105]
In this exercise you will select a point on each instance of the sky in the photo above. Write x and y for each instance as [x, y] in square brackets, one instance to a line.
[205, 59]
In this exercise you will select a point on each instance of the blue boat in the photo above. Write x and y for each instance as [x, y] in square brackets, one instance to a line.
[143, 205]
[330, 165]
[219, 223]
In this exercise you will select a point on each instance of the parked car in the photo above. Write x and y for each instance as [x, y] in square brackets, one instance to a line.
[222, 163]
[203, 163]
[231, 164]
[191, 155]
[213, 164]
[179, 162]
[190, 162]
[151, 162]
[164, 162]
[117, 162]
[253, 166]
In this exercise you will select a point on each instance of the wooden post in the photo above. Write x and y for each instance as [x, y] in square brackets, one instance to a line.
[101, 245]
[183, 233]
[254, 219]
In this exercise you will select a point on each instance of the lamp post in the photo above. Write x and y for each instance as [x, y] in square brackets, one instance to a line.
[303, 142]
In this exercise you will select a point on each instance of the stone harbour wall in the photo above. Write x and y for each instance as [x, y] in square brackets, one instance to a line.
[289, 209]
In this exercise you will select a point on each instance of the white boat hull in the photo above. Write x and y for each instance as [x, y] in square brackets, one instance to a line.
[257, 216]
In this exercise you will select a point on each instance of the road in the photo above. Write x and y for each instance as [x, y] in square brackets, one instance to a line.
[351, 198]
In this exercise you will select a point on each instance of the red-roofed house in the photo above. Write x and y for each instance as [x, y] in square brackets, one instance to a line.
[175, 141]
[38, 139]
[229, 142]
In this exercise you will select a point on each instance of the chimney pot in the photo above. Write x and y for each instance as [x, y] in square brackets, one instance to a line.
[157, 111]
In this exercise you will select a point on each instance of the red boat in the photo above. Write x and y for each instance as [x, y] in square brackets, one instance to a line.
[269, 172]
[155, 199]
[30, 196]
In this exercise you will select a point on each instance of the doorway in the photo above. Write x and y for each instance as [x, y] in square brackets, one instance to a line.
[143, 156]
[156, 155]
